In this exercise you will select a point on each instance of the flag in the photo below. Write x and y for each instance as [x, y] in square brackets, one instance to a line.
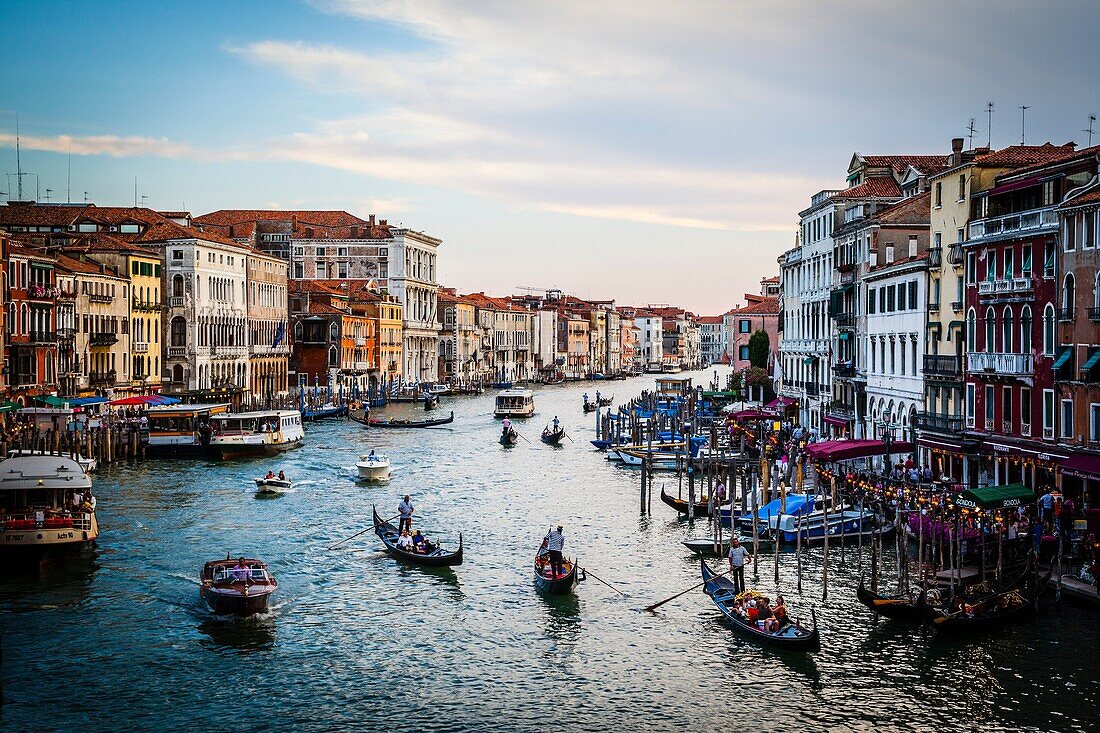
[280, 333]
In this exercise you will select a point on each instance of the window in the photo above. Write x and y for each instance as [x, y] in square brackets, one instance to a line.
[1048, 330]
[1067, 419]
[744, 326]
[990, 392]
[871, 298]
[1070, 231]
[1025, 330]
[333, 356]
[1048, 413]
[962, 187]
[889, 300]
[1048, 193]
[1006, 330]
[1025, 410]
[970, 392]
[178, 331]
[1025, 262]
[882, 300]
[1094, 422]
[1009, 267]
[1006, 407]
[1048, 261]
[937, 240]
[991, 265]
[971, 330]
[939, 193]
[1088, 230]
[1069, 293]
[743, 353]
[912, 295]
[971, 269]
[990, 330]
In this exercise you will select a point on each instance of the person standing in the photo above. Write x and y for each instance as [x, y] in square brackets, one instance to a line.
[405, 509]
[1046, 505]
[738, 556]
[555, 543]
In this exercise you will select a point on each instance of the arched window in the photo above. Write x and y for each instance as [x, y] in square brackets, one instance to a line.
[177, 373]
[333, 356]
[333, 332]
[1069, 296]
[179, 331]
[298, 331]
[1025, 330]
[177, 286]
[990, 330]
[1048, 330]
[1006, 330]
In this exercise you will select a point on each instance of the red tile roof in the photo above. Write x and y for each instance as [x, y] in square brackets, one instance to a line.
[74, 265]
[305, 224]
[1082, 154]
[1092, 197]
[766, 307]
[166, 230]
[710, 319]
[900, 163]
[1025, 155]
[481, 300]
[872, 188]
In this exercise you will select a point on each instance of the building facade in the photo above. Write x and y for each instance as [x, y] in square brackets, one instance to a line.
[267, 314]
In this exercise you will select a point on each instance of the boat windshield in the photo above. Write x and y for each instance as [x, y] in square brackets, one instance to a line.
[235, 575]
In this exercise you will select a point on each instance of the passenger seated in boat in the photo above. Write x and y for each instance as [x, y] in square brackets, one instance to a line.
[779, 612]
[282, 476]
[752, 612]
[270, 475]
[404, 542]
[418, 541]
[764, 615]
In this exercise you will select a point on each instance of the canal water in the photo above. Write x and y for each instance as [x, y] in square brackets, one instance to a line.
[121, 641]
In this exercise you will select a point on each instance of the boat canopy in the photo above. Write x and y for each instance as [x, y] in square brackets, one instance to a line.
[996, 497]
[847, 450]
[796, 504]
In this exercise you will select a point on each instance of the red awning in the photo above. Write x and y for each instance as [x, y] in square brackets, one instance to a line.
[782, 402]
[1082, 466]
[754, 415]
[847, 450]
[1015, 185]
[839, 422]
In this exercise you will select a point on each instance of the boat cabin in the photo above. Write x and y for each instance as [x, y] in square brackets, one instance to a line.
[264, 432]
[515, 403]
[179, 429]
[37, 503]
[674, 387]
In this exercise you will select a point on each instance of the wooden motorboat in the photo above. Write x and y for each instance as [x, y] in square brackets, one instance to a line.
[681, 505]
[374, 467]
[794, 637]
[239, 587]
[705, 545]
[438, 557]
[551, 436]
[406, 423]
[272, 485]
[561, 584]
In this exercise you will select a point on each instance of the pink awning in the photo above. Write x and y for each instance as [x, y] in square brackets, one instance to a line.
[782, 402]
[754, 415]
[839, 422]
[1082, 466]
[847, 450]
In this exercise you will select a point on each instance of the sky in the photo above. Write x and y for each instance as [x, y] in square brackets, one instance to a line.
[649, 152]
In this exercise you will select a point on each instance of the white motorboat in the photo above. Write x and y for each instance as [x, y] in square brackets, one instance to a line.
[517, 402]
[88, 464]
[273, 485]
[440, 390]
[374, 467]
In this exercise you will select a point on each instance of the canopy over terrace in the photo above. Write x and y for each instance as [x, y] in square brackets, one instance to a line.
[846, 450]
[754, 415]
[996, 497]
[149, 400]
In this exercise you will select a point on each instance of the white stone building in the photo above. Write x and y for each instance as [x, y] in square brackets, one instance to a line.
[414, 280]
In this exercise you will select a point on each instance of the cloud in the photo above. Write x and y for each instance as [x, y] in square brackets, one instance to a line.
[111, 145]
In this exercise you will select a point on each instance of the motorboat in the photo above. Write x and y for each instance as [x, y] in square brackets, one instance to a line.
[260, 433]
[89, 465]
[37, 512]
[272, 485]
[239, 587]
[440, 390]
[515, 403]
[374, 467]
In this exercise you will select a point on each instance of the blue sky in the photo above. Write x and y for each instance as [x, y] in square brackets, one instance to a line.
[649, 152]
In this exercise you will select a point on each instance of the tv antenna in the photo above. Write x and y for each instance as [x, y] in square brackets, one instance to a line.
[49, 191]
[971, 130]
[1092, 120]
[1023, 121]
[989, 125]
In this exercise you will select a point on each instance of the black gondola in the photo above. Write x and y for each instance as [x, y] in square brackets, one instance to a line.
[590, 407]
[976, 614]
[405, 423]
[438, 558]
[508, 438]
[794, 637]
[605, 401]
[431, 401]
[900, 608]
[555, 586]
[551, 436]
[681, 505]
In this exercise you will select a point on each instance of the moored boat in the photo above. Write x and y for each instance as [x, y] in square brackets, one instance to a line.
[180, 430]
[515, 403]
[322, 412]
[88, 465]
[702, 507]
[793, 637]
[260, 433]
[437, 557]
[374, 467]
[37, 513]
[590, 407]
[902, 607]
[967, 614]
[240, 587]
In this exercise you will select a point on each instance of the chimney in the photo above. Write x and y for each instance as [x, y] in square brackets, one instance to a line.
[956, 150]
[370, 219]
[382, 222]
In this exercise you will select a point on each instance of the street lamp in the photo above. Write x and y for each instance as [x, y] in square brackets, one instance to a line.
[887, 431]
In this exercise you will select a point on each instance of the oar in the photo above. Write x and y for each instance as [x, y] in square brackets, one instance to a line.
[697, 585]
[589, 572]
[368, 529]
[521, 435]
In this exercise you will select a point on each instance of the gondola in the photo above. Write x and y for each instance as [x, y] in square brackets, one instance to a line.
[794, 638]
[431, 401]
[556, 586]
[324, 411]
[508, 438]
[605, 401]
[551, 436]
[705, 545]
[1016, 602]
[589, 407]
[406, 423]
[898, 608]
[438, 558]
[681, 505]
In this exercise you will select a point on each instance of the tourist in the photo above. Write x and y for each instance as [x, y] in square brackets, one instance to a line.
[405, 509]
[404, 542]
[720, 493]
[282, 476]
[555, 543]
[752, 611]
[78, 499]
[1046, 505]
[738, 556]
[418, 541]
[764, 616]
[1012, 532]
[779, 613]
[270, 474]
[90, 501]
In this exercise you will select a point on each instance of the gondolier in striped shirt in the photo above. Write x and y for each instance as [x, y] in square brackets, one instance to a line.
[405, 509]
[555, 543]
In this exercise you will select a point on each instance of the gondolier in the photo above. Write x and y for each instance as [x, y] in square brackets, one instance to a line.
[738, 556]
[406, 509]
[555, 543]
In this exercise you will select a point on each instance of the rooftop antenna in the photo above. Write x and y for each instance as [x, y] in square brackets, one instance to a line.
[135, 192]
[1092, 120]
[971, 130]
[144, 198]
[18, 161]
[989, 125]
[1023, 121]
[85, 197]
[69, 176]
[49, 191]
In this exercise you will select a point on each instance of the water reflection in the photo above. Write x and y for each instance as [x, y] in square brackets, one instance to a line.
[252, 634]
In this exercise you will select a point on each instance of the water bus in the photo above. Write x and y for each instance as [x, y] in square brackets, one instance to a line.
[515, 403]
[37, 513]
[260, 433]
[180, 430]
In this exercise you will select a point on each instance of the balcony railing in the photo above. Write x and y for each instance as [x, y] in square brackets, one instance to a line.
[933, 423]
[1094, 314]
[942, 365]
[989, 425]
[223, 351]
[1067, 315]
[1048, 433]
[177, 352]
[935, 256]
[141, 347]
[43, 337]
[66, 334]
[1035, 220]
[845, 320]
[100, 298]
[145, 305]
[1010, 364]
[1012, 285]
[1025, 428]
[812, 390]
[956, 256]
[107, 377]
[103, 338]
[176, 301]
[847, 277]
[933, 307]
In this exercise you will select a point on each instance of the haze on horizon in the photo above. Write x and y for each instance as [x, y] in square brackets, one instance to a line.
[646, 152]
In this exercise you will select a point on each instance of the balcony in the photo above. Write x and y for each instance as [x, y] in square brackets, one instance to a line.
[43, 337]
[804, 346]
[1048, 433]
[1007, 286]
[36, 291]
[66, 334]
[228, 351]
[101, 378]
[268, 350]
[1006, 427]
[176, 301]
[847, 278]
[999, 363]
[989, 425]
[360, 342]
[100, 298]
[812, 390]
[103, 338]
[942, 365]
[1067, 315]
[844, 371]
[935, 256]
[1025, 428]
[955, 255]
[145, 305]
[1094, 315]
[1035, 221]
[933, 307]
[943, 424]
[177, 352]
[845, 320]
[141, 347]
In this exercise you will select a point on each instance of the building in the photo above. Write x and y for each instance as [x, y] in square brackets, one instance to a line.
[630, 353]
[505, 348]
[386, 311]
[459, 340]
[102, 325]
[31, 336]
[712, 339]
[334, 337]
[650, 348]
[266, 311]
[940, 423]
[760, 314]
[573, 341]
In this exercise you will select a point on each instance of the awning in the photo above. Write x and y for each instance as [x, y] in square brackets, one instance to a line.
[1092, 361]
[82, 401]
[1063, 358]
[782, 402]
[996, 497]
[1082, 466]
[8, 406]
[753, 415]
[54, 400]
[847, 450]
[148, 399]
[839, 422]
[1015, 185]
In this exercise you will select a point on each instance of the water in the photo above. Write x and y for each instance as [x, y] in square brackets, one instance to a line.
[120, 640]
